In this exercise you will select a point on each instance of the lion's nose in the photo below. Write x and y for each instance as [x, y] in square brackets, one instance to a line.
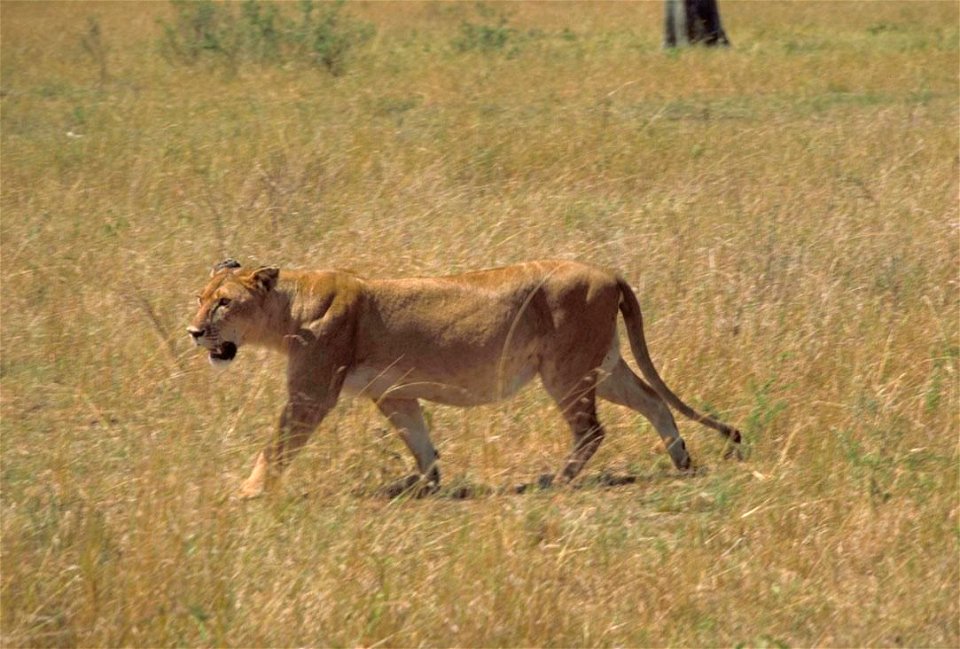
[196, 332]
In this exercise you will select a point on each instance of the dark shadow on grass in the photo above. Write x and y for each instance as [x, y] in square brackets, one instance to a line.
[413, 487]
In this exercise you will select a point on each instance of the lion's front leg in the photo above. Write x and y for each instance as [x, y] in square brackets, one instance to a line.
[299, 419]
[314, 380]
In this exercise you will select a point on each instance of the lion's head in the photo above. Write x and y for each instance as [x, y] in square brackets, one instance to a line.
[230, 306]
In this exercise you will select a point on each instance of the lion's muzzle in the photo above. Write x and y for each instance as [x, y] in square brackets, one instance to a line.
[220, 351]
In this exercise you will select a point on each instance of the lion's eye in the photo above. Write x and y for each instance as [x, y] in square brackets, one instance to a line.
[224, 301]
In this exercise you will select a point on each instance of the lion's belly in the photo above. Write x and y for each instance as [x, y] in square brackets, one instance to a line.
[484, 385]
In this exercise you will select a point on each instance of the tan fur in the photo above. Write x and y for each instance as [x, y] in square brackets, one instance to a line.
[460, 340]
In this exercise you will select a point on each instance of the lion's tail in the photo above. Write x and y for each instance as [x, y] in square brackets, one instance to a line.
[630, 308]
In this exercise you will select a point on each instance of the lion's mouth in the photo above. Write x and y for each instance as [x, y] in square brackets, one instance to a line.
[223, 353]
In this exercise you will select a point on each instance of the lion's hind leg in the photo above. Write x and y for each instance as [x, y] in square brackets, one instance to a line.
[625, 388]
[577, 403]
[407, 419]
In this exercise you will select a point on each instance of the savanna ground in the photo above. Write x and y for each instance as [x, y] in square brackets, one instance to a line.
[786, 209]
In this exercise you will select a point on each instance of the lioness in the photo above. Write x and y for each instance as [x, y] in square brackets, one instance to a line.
[461, 340]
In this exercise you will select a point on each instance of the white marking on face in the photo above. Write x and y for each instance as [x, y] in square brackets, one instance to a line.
[220, 363]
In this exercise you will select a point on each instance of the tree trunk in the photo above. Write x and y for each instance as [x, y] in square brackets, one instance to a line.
[689, 22]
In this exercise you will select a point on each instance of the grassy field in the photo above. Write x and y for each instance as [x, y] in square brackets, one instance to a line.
[786, 209]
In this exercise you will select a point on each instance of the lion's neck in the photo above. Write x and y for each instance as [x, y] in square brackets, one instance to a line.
[297, 304]
[277, 323]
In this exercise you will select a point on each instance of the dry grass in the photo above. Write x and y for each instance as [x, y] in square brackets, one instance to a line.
[787, 210]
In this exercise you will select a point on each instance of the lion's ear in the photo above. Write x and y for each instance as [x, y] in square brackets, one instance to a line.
[265, 278]
[224, 265]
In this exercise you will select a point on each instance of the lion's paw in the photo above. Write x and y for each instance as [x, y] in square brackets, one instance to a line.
[250, 490]
[413, 485]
